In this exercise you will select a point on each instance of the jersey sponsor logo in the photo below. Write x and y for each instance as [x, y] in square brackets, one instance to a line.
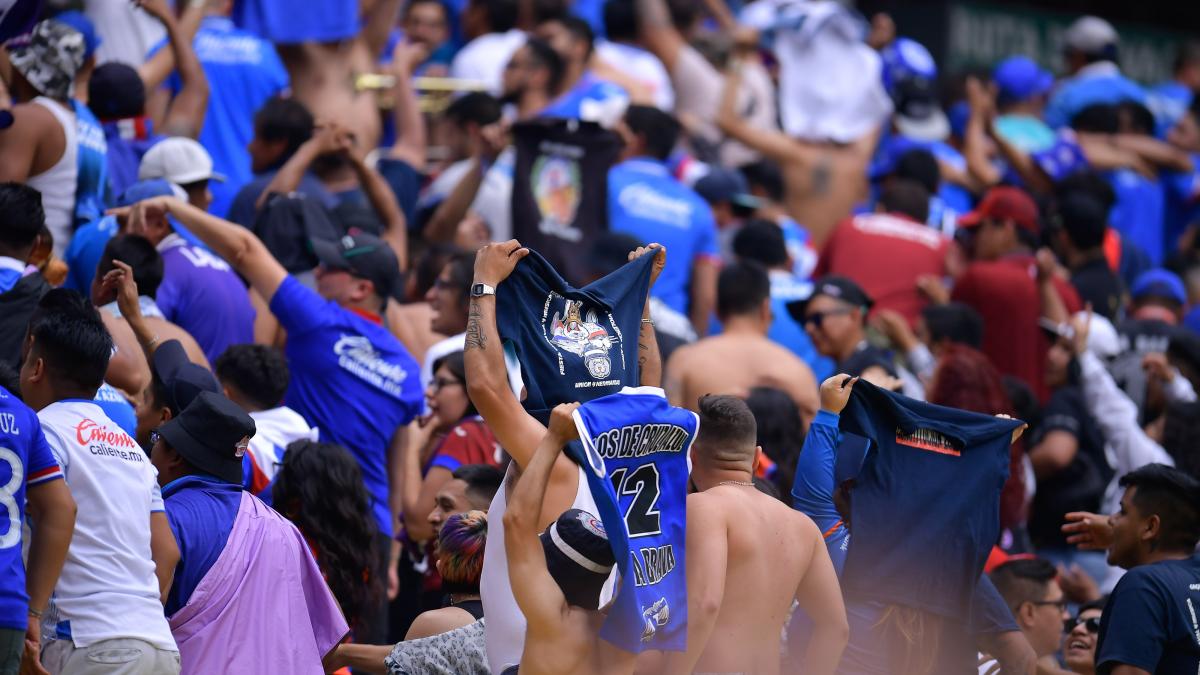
[358, 356]
[557, 189]
[583, 336]
[643, 201]
[104, 442]
[928, 439]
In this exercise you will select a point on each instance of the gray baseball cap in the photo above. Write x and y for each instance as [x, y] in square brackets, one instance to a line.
[49, 57]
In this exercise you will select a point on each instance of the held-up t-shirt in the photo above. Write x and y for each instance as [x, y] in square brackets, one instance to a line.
[108, 588]
[574, 344]
[939, 471]
[1150, 621]
[351, 378]
[25, 461]
[635, 449]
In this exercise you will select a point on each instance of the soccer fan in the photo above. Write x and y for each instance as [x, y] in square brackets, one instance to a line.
[471, 488]
[1079, 644]
[23, 218]
[1037, 603]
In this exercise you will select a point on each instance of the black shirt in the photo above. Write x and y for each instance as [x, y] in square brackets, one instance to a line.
[1099, 285]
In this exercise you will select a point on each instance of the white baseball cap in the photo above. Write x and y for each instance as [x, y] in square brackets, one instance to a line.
[1090, 35]
[179, 160]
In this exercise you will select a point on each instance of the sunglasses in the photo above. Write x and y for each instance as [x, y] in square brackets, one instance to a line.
[817, 318]
[1092, 625]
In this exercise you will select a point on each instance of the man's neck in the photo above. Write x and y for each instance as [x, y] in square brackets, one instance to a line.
[532, 103]
[1151, 557]
[706, 478]
[849, 349]
[743, 325]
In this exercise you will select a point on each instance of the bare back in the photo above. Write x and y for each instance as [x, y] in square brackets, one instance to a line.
[734, 364]
[575, 648]
[824, 188]
[770, 547]
[323, 79]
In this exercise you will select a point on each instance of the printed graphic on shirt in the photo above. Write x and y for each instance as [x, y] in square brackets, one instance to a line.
[357, 356]
[928, 439]
[582, 336]
[104, 441]
[557, 189]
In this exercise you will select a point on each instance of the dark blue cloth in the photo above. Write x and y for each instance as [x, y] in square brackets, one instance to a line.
[574, 344]
[25, 460]
[1150, 620]
[405, 182]
[128, 140]
[937, 470]
[201, 510]
[635, 457]
[243, 211]
[352, 379]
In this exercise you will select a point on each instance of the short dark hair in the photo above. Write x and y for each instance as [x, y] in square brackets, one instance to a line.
[726, 421]
[69, 335]
[116, 91]
[1099, 118]
[1137, 118]
[258, 371]
[544, 54]
[429, 266]
[741, 288]
[462, 275]
[1084, 220]
[501, 14]
[579, 29]
[907, 197]
[139, 254]
[476, 107]
[1090, 182]
[284, 119]
[761, 241]
[22, 215]
[437, 3]
[765, 174]
[483, 480]
[1172, 495]
[659, 130]
[954, 322]
[620, 20]
[1023, 580]
[920, 165]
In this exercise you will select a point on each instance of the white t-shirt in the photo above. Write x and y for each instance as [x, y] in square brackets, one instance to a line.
[484, 58]
[127, 31]
[493, 201]
[274, 430]
[107, 588]
[642, 66]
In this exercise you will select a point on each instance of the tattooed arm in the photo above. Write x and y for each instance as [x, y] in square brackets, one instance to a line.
[487, 379]
[649, 356]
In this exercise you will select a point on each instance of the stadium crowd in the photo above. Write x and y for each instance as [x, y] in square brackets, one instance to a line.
[266, 269]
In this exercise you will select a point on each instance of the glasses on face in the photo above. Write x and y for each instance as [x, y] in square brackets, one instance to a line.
[1091, 624]
[818, 318]
[441, 382]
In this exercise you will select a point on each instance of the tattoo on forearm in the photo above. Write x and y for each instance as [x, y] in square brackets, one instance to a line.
[475, 337]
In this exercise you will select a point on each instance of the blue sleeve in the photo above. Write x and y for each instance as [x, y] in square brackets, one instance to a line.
[280, 80]
[405, 182]
[1055, 114]
[989, 613]
[812, 491]
[298, 308]
[1134, 633]
[40, 455]
[169, 300]
[706, 233]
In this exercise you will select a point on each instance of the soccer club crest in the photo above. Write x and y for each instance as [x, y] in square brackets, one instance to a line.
[557, 189]
[582, 336]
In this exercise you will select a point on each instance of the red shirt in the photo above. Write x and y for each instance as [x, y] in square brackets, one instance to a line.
[1005, 294]
[886, 254]
[470, 442]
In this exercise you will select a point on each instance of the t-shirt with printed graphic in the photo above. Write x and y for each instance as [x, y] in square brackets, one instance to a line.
[470, 442]
[634, 449]
[25, 461]
[108, 588]
[351, 378]
[574, 344]
[1150, 621]
[939, 471]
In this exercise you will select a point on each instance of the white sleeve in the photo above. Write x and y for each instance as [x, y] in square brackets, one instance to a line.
[921, 362]
[156, 499]
[1117, 417]
[57, 447]
[1179, 390]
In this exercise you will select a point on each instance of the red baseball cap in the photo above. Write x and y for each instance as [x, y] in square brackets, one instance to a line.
[1004, 202]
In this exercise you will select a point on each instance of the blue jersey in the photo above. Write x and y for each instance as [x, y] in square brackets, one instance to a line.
[92, 164]
[1181, 192]
[644, 200]
[280, 22]
[574, 344]
[25, 461]
[352, 379]
[244, 71]
[584, 101]
[635, 448]
[1138, 212]
[939, 471]
[1101, 84]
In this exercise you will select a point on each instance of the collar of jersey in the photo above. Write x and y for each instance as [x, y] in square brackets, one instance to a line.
[647, 165]
[650, 391]
[366, 314]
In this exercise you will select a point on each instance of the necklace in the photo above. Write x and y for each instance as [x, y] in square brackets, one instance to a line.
[744, 483]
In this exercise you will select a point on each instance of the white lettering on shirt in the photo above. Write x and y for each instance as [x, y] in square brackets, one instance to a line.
[358, 356]
[889, 226]
[642, 201]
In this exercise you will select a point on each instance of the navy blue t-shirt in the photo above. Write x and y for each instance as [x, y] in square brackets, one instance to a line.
[574, 344]
[635, 449]
[201, 510]
[1150, 621]
[937, 471]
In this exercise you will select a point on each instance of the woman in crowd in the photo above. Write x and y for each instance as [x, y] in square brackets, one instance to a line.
[320, 488]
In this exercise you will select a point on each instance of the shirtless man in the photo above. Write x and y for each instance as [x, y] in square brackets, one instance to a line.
[741, 357]
[822, 182]
[519, 434]
[557, 576]
[762, 552]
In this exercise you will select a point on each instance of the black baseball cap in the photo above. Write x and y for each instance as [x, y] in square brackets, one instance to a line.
[838, 288]
[116, 91]
[578, 556]
[363, 255]
[208, 433]
[182, 380]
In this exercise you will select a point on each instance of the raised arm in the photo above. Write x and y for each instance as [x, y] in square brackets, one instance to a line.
[812, 491]
[658, 33]
[159, 67]
[328, 137]
[707, 559]
[650, 365]
[378, 20]
[443, 225]
[975, 139]
[185, 116]
[537, 594]
[410, 142]
[383, 201]
[237, 245]
[820, 596]
[774, 145]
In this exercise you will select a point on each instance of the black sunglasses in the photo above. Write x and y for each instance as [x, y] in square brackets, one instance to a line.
[1092, 625]
[817, 318]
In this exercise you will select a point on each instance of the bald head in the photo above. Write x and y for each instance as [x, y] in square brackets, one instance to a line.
[728, 433]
